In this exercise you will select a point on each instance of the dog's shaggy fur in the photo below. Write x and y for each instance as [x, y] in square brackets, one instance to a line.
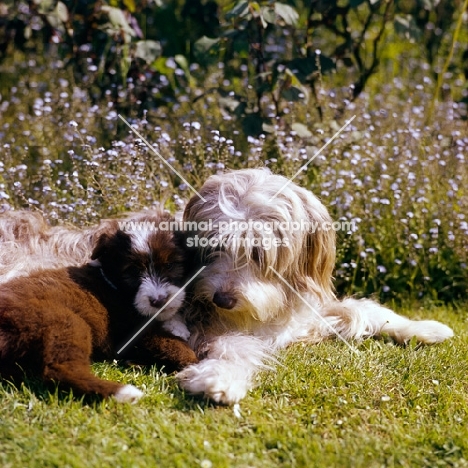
[28, 243]
[252, 300]
[54, 321]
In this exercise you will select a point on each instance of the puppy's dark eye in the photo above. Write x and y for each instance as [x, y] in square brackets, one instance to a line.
[169, 265]
[131, 271]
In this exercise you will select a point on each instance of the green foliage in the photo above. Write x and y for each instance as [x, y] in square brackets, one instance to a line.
[125, 50]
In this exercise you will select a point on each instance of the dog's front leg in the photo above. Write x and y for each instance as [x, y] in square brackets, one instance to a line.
[227, 371]
[356, 319]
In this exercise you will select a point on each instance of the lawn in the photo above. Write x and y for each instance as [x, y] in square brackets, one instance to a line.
[323, 406]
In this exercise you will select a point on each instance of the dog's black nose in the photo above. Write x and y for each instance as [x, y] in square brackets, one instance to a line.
[158, 301]
[224, 300]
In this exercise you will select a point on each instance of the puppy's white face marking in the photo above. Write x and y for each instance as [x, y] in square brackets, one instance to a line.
[150, 264]
[153, 294]
[140, 241]
[95, 263]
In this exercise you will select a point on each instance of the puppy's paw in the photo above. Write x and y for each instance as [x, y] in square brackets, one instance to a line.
[177, 327]
[128, 394]
[220, 381]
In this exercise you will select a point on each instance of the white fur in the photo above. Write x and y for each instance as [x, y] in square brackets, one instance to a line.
[139, 239]
[154, 288]
[128, 394]
[282, 295]
[177, 326]
[28, 243]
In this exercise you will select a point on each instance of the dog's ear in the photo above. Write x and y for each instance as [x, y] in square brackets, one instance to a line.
[113, 240]
[319, 249]
[319, 258]
[191, 208]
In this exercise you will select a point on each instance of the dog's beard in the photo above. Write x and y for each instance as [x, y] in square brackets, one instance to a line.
[256, 300]
[263, 278]
[153, 290]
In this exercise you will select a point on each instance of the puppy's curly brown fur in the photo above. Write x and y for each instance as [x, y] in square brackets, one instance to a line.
[54, 322]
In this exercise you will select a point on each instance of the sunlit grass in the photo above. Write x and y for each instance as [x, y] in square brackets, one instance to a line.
[323, 406]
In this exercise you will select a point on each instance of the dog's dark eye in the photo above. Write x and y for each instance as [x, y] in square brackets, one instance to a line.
[169, 265]
[131, 271]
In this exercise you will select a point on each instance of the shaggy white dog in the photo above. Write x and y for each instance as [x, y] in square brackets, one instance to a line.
[268, 283]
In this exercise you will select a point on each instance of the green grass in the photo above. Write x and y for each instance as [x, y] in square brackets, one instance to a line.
[324, 406]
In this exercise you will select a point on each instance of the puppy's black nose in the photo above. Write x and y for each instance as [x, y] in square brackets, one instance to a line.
[158, 301]
[224, 300]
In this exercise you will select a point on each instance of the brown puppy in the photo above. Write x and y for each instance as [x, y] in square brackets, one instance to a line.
[54, 322]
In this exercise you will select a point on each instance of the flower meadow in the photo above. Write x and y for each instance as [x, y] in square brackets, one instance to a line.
[397, 172]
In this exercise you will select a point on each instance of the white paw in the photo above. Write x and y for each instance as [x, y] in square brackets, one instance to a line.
[177, 327]
[128, 394]
[220, 381]
[429, 331]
